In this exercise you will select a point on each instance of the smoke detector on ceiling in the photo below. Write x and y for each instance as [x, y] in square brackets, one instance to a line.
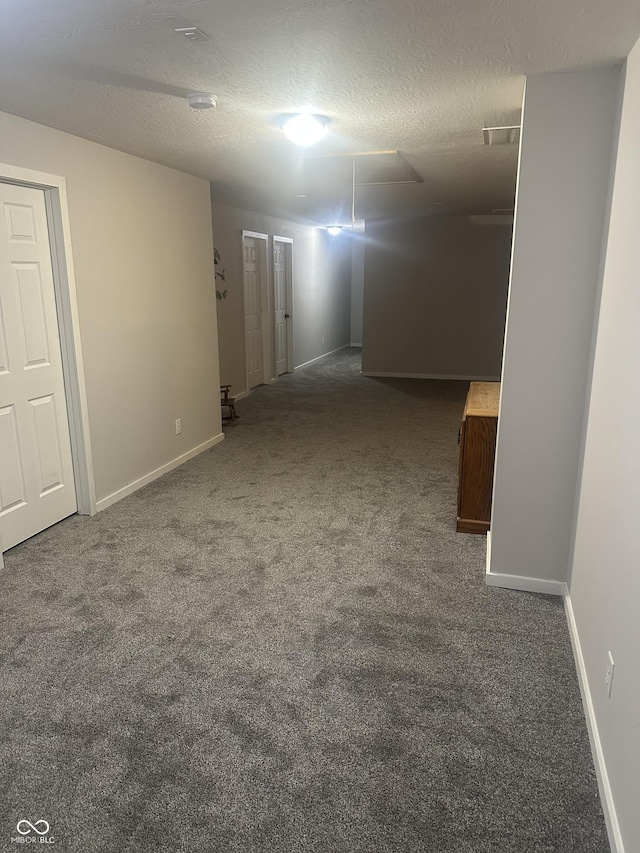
[509, 135]
[201, 100]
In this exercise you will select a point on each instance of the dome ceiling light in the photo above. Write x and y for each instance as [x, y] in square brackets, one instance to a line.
[304, 129]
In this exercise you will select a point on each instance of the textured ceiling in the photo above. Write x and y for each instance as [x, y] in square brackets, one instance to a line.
[419, 76]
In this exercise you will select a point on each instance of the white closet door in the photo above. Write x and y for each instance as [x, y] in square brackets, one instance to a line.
[280, 305]
[253, 312]
[36, 472]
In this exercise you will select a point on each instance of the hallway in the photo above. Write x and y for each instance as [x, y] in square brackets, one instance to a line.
[284, 646]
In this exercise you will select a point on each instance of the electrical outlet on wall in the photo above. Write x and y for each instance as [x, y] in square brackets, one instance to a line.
[608, 678]
[178, 426]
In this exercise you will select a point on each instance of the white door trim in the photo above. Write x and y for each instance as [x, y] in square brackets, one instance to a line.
[289, 285]
[266, 308]
[55, 192]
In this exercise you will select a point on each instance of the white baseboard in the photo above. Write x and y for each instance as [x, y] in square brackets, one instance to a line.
[549, 587]
[241, 395]
[318, 357]
[153, 475]
[356, 344]
[606, 795]
[375, 373]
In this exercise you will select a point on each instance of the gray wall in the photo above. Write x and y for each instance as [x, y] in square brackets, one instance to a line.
[435, 291]
[141, 241]
[321, 288]
[605, 577]
[568, 132]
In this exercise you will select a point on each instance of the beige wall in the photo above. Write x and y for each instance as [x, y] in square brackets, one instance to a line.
[435, 292]
[141, 239]
[321, 288]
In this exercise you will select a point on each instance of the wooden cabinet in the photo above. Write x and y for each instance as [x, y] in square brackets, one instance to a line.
[477, 457]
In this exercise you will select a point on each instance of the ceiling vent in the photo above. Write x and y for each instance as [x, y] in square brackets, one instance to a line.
[501, 135]
[193, 33]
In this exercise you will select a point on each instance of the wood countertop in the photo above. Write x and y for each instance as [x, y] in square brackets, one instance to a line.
[483, 400]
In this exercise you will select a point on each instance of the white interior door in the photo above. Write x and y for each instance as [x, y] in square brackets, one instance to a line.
[280, 305]
[36, 472]
[253, 311]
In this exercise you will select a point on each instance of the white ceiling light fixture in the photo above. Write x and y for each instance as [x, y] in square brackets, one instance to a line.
[334, 230]
[201, 100]
[304, 129]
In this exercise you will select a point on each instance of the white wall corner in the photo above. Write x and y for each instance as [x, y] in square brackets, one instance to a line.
[561, 209]
[543, 585]
[604, 787]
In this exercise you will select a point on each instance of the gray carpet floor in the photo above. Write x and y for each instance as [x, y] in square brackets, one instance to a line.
[284, 646]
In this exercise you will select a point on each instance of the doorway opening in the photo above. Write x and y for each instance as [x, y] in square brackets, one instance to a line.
[283, 304]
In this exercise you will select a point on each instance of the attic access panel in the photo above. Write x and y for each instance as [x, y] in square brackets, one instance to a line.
[372, 168]
[508, 135]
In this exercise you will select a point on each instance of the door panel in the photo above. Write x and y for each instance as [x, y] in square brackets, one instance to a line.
[12, 485]
[21, 223]
[36, 472]
[4, 354]
[45, 426]
[31, 314]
